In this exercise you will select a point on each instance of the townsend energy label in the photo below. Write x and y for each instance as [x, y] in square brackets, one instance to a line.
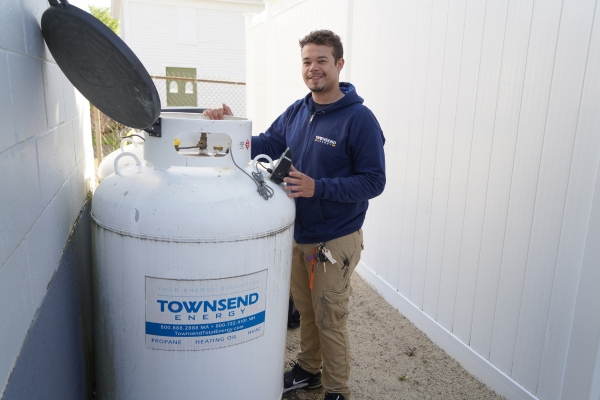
[204, 314]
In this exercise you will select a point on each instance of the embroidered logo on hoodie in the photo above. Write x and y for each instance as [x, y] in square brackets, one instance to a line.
[326, 141]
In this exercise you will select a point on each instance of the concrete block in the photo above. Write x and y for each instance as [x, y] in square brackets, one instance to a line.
[44, 245]
[48, 238]
[82, 137]
[84, 151]
[7, 123]
[17, 313]
[65, 212]
[19, 195]
[27, 86]
[2, 252]
[56, 157]
[83, 105]
[12, 36]
[78, 189]
[90, 164]
[78, 128]
[70, 94]
[53, 90]
[32, 16]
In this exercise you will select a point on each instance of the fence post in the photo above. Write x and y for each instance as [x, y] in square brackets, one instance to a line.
[98, 133]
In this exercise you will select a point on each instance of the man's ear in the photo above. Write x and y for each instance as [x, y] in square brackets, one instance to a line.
[340, 64]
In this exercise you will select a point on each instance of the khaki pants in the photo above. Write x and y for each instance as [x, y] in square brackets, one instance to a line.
[324, 310]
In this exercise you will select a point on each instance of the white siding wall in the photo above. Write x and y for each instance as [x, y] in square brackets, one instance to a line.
[486, 235]
[47, 166]
[206, 35]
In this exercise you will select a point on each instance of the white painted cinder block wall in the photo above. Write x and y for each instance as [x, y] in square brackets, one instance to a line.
[486, 236]
[47, 170]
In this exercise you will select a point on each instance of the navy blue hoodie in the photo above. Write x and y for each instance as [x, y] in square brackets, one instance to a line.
[341, 148]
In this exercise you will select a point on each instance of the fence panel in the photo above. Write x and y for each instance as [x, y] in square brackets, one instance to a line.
[175, 91]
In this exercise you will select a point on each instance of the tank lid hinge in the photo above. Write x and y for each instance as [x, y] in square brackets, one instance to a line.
[155, 129]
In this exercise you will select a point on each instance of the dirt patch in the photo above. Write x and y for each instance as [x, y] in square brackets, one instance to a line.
[391, 358]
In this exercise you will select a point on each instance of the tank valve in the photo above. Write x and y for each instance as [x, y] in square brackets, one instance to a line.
[202, 144]
[177, 143]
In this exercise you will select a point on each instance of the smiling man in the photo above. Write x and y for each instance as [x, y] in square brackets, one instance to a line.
[338, 165]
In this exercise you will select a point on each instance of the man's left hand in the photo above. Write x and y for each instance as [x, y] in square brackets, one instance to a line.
[299, 184]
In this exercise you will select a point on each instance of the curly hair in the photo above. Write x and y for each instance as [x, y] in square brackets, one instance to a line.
[324, 38]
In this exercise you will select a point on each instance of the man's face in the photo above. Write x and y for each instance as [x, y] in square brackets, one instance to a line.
[319, 70]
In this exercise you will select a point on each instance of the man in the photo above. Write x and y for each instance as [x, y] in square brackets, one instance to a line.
[338, 165]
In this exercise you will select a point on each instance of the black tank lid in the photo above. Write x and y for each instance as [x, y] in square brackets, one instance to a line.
[100, 65]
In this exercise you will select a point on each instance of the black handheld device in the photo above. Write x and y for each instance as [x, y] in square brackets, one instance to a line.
[282, 168]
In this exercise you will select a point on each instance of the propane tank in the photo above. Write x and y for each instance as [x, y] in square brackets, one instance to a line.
[191, 269]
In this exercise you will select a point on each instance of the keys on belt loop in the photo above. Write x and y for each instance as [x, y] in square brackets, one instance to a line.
[316, 255]
[322, 254]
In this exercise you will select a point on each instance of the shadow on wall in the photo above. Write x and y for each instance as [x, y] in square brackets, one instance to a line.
[57, 358]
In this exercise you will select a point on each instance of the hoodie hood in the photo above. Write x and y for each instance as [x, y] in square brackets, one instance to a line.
[350, 97]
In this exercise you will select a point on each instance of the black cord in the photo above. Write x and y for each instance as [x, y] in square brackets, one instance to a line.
[262, 188]
[128, 136]
[269, 170]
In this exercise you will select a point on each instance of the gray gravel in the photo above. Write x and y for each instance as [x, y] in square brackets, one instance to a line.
[391, 358]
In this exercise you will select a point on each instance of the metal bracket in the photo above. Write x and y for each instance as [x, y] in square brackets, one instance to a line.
[155, 130]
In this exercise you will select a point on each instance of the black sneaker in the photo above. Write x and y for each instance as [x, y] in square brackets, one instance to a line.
[298, 378]
[334, 396]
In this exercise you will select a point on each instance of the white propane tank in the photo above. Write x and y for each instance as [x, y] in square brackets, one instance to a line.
[135, 146]
[191, 270]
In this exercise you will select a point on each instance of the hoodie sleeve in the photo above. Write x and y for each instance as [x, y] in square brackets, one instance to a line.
[367, 178]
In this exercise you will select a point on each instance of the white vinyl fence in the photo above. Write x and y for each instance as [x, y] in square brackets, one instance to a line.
[488, 233]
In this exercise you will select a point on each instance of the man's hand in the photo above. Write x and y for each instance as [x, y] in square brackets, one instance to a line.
[217, 113]
[298, 184]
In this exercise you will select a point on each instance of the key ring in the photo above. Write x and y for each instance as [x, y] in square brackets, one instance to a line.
[320, 255]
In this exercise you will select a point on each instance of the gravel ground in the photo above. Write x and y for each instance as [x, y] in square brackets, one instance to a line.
[391, 358]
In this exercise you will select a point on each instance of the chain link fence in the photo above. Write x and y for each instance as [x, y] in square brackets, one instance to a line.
[183, 91]
[174, 91]
[105, 131]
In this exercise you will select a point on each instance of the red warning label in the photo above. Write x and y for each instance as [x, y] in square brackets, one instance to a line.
[247, 144]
